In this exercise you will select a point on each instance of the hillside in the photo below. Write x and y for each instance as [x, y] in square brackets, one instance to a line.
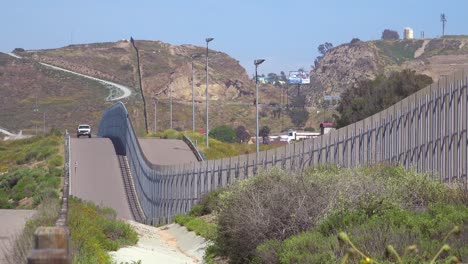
[64, 98]
[163, 67]
[345, 65]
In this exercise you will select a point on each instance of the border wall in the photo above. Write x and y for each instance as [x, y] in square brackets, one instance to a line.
[426, 131]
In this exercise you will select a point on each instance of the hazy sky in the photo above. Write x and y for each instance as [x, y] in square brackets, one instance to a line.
[285, 33]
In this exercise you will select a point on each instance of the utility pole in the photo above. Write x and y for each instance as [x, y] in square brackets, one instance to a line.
[35, 109]
[443, 19]
[139, 81]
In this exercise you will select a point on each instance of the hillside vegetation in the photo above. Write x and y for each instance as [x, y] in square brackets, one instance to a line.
[64, 99]
[371, 97]
[331, 215]
[345, 66]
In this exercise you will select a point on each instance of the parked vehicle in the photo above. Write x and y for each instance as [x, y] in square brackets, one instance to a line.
[295, 135]
[83, 130]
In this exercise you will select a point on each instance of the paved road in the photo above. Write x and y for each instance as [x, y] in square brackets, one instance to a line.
[97, 176]
[166, 151]
[12, 224]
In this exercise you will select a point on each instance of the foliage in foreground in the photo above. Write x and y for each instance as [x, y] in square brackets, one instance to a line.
[94, 231]
[282, 218]
[30, 171]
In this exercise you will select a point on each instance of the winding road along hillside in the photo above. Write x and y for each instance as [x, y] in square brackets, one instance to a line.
[95, 172]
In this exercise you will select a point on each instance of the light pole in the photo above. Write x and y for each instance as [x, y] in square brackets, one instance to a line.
[193, 96]
[256, 62]
[44, 121]
[207, 126]
[170, 104]
[155, 113]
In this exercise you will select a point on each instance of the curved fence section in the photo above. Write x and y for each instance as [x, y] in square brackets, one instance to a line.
[194, 149]
[426, 132]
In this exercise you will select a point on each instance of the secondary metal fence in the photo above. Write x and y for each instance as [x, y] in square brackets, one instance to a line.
[426, 131]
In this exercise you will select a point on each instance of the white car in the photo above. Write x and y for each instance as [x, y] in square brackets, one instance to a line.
[83, 130]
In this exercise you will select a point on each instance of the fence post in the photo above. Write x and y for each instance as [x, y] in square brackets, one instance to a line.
[50, 245]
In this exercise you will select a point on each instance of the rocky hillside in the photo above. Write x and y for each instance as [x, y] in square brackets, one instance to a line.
[345, 65]
[164, 67]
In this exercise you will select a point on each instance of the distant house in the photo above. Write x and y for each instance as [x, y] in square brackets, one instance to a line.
[263, 80]
[326, 127]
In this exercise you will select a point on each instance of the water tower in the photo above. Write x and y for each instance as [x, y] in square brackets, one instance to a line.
[408, 33]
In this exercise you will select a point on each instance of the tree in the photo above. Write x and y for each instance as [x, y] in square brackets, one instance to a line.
[264, 132]
[389, 34]
[283, 76]
[272, 78]
[242, 135]
[371, 97]
[223, 133]
[355, 40]
[325, 47]
[299, 116]
[443, 19]
[322, 49]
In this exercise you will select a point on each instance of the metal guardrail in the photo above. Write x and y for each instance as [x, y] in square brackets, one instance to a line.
[51, 243]
[194, 149]
[426, 132]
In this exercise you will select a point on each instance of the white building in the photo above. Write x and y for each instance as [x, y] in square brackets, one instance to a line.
[408, 33]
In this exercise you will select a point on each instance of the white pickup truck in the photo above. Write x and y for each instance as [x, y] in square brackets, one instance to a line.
[83, 130]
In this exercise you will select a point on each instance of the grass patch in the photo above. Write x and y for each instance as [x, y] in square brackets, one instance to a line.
[399, 50]
[196, 219]
[197, 225]
[94, 231]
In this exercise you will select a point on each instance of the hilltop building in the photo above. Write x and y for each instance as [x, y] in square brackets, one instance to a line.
[408, 33]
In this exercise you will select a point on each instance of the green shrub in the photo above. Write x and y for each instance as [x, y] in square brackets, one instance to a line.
[207, 205]
[94, 231]
[376, 206]
[33, 183]
[55, 161]
[37, 177]
[169, 134]
[223, 133]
